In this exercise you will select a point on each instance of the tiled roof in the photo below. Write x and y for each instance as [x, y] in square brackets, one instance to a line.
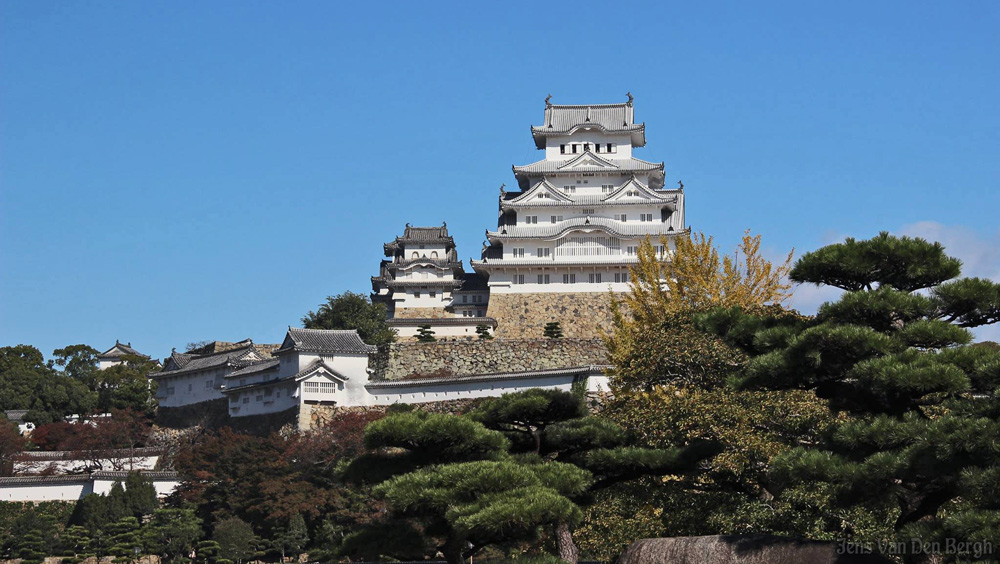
[546, 166]
[421, 235]
[416, 381]
[474, 282]
[77, 478]
[254, 368]
[610, 118]
[429, 283]
[15, 415]
[589, 261]
[527, 197]
[188, 363]
[556, 230]
[325, 341]
[120, 350]
[309, 369]
[442, 321]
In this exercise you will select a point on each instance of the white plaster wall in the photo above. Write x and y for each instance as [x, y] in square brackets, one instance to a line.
[463, 390]
[407, 297]
[425, 251]
[444, 331]
[46, 492]
[104, 364]
[552, 153]
[272, 399]
[198, 391]
[163, 487]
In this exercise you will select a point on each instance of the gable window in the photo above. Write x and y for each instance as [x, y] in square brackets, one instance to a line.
[312, 387]
[327, 387]
[415, 255]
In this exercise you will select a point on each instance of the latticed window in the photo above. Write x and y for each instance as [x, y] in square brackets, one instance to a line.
[588, 246]
[312, 387]
[327, 387]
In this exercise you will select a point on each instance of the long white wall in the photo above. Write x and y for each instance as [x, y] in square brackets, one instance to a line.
[478, 389]
[63, 488]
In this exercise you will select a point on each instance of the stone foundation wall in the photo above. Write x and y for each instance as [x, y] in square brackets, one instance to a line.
[416, 312]
[581, 314]
[446, 358]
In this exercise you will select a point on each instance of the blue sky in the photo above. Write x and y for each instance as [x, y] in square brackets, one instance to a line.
[178, 171]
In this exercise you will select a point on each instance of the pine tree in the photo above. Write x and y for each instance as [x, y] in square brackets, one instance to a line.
[292, 540]
[892, 352]
[553, 330]
[425, 334]
[483, 331]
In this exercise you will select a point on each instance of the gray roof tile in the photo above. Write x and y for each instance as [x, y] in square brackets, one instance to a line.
[325, 341]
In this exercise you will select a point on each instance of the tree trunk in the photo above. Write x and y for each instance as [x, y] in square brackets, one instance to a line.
[452, 551]
[564, 539]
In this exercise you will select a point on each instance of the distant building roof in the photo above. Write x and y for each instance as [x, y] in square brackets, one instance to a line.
[595, 223]
[119, 350]
[474, 282]
[324, 341]
[420, 235]
[587, 162]
[184, 363]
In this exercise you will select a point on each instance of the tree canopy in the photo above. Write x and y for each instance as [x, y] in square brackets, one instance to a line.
[352, 311]
[893, 354]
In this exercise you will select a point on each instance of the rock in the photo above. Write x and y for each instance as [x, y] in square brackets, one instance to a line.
[742, 549]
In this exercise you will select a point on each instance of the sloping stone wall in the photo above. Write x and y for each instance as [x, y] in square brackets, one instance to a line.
[580, 314]
[446, 358]
[422, 312]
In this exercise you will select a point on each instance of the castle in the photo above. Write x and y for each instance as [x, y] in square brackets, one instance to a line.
[563, 243]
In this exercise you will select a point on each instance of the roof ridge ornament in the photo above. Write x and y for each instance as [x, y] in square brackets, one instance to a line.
[681, 184]
[629, 94]
[548, 101]
[588, 113]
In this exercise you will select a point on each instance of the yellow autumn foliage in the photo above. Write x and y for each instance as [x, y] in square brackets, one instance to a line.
[693, 276]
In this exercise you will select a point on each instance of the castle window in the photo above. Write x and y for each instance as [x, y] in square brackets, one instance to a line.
[555, 218]
[543, 252]
[416, 294]
[574, 148]
[327, 387]
[259, 398]
[586, 146]
[312, 387]
[529, 219]
[432, 294]
[621, 277]
[517, 252]
[595, 277]
[562, 149]
[480, 313]
[465, 299]
[612, 148]
[569, 278]
[246, 399]
[621, 217]
[415, 255]
[434, 254]
[208, 384]
[519, 279]
[630, 250]
[606, 188]
[543, 278]
[646, 217]
[588, 211]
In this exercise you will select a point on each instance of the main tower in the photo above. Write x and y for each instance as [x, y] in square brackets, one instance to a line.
[568, 235]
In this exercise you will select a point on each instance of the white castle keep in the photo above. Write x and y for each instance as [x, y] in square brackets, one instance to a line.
[564, 241]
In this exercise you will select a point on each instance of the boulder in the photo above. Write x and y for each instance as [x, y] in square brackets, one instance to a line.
[744, 549]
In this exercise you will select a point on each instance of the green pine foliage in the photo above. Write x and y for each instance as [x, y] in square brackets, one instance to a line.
[352, 311]
[553, 330]
[425, 334]
[893, 353]
[483, 331]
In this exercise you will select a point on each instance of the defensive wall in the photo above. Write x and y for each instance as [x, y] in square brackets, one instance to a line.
[584, 315]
